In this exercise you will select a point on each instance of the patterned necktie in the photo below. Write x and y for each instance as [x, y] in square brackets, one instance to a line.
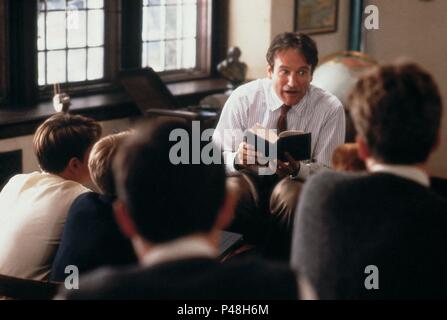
[282, 121]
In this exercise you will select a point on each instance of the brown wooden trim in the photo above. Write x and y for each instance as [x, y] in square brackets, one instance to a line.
[16, 122]
[3, 46]
[22, 50]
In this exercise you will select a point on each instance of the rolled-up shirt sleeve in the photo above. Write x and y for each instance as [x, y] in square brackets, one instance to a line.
[230, 129]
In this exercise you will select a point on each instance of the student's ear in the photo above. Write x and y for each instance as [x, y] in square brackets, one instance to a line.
[437, 142]
[363, 149]
[74, 164]
[269, 71]
[226, 212]
[123, 219]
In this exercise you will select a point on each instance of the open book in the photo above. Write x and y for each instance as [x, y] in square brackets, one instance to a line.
[296, 143]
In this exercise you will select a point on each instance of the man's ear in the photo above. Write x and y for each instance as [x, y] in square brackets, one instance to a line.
[269, 71]
[363, 149]
[124, 220]
[226, 212]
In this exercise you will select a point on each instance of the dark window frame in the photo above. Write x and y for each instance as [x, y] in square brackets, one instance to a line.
[111, 58]
[203, 47]
[20, 82]
[3, 56]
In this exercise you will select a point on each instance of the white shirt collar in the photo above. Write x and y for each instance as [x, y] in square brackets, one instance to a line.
[186, 247]
[404, 171]
[277, 102]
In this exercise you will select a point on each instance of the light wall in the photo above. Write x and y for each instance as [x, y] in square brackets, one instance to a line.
[416, 30]
[25, 143]
[411, 28]
[254, 23]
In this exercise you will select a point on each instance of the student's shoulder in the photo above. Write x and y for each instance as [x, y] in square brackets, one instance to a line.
[90, 199]
[103, 283]
[329, 179]
[257, 266]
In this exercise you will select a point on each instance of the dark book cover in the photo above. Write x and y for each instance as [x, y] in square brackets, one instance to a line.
[297, 144]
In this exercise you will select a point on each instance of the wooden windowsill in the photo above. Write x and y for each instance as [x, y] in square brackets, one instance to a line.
[15, 121]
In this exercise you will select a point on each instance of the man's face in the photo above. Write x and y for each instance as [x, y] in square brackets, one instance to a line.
[291, 76]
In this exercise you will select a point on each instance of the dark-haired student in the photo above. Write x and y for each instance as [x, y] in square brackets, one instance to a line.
[381, 234]
[173, 219]
[34, 206]
[91, 237]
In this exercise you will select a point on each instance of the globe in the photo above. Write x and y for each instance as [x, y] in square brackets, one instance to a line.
[338, 73]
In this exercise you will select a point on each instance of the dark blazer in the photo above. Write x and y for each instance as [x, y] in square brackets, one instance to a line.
[194, 278]
[439, 185]
[91, 237]
[346, 222]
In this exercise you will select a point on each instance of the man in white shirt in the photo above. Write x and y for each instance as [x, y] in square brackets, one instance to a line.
[381, 234]
[34, 206]
[284, 101]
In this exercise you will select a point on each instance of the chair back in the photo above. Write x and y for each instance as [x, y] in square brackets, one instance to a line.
[26, 289]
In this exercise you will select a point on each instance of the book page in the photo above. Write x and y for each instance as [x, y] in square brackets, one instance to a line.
[290, 133]
[264, 133]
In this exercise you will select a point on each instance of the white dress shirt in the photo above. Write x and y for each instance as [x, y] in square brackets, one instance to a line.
[319, 112]
[33, 211]
[404, 171]
[182, 248]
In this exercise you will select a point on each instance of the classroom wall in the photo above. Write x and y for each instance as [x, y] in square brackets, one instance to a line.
[254, 23]
[415, 30]
[25, 143]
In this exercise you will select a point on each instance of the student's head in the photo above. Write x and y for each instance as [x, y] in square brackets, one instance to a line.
[397, 112]
[292, 59]
[101, 159]
[346, 158]
[161, 200]
[62, 145]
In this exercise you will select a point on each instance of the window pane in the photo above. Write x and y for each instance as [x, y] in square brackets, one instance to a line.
[189, 21]
[145, 28]
[76, 29]
[156, 54]
[172, 29]
[56, 67]
[76, 4]
[95, 27]
[55, 30]
[41, 68]
[76, 64]
[95, 63]
[171, 55]
[55, 5]
[72, 40]
[95, 4]
[189, 53]
[41, 32]
[154, 23]
[171, 22]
